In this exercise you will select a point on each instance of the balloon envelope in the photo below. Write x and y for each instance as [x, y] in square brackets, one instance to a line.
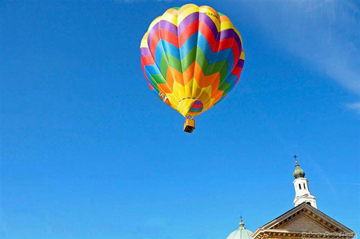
[192, 58]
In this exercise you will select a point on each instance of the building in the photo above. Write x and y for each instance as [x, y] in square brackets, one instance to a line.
[302, 221]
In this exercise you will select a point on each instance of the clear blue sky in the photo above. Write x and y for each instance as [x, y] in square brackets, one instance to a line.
[88, 152]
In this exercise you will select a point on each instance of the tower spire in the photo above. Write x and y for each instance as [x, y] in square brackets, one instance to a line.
[298, 173]
[296, 162]
[301, 184]
[241, 224]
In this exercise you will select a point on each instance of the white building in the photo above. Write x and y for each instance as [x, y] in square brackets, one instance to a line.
[302, 221]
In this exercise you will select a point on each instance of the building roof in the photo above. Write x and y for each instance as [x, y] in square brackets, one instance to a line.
[240, 233]
[290, 224]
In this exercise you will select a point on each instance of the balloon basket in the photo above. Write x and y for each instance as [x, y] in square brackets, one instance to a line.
[189, 125]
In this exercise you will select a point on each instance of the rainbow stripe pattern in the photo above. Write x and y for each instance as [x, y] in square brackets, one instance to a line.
[192, 57]
[196, 107]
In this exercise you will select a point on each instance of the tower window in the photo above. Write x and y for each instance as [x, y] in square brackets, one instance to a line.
[300, 186]
[304, 186]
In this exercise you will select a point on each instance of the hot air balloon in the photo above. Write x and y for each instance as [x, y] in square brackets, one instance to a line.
[192, 58]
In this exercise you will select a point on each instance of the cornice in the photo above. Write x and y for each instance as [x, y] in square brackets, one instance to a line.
[271, 233]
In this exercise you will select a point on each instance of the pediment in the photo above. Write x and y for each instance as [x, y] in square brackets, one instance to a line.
[303, 219]
[305, 223]
[303, 215]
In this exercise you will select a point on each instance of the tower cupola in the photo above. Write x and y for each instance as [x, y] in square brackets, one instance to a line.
[301, 185]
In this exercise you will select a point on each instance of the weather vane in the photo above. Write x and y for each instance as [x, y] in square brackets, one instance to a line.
[295, 157]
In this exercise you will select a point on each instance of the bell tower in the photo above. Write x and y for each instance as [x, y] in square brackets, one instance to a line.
[301, 184]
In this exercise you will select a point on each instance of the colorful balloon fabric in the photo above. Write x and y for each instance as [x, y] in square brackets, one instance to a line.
[192, 58]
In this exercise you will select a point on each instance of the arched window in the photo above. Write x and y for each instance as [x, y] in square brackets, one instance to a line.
[299, 185]
[304, 186]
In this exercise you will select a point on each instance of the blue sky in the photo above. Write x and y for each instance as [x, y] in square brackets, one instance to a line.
[87, 151]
